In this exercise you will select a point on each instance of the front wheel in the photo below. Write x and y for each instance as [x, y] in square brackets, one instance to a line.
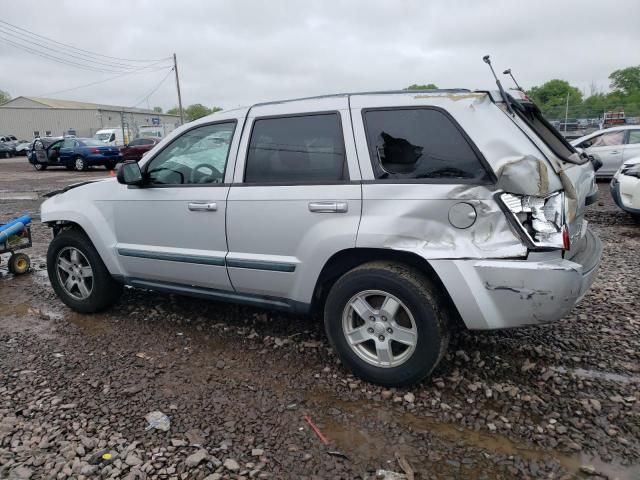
[388, 323]
[79, 164]
[78, 275]
[19, 263]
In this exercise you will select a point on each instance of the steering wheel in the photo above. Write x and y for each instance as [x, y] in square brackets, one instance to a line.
[210, 175]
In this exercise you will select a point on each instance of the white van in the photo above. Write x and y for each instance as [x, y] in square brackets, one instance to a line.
[113, 136]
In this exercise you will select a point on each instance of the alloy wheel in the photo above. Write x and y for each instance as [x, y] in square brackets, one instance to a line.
[379, 328]
[74, 273]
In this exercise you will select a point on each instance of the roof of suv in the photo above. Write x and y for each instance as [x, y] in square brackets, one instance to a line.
[351, 94]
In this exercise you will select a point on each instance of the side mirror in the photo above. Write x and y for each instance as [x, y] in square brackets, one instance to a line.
[129, 173]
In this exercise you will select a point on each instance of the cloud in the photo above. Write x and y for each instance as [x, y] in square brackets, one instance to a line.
[237, 52]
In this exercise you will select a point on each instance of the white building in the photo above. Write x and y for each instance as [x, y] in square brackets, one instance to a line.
[27, 117]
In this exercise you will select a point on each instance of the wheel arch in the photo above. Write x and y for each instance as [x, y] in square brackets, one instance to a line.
[343, 261]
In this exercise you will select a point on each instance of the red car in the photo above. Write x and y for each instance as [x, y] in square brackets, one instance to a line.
[138, 147]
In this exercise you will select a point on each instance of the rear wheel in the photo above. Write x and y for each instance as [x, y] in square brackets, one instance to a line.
[78, 275]
[79, 164]
[388, 323]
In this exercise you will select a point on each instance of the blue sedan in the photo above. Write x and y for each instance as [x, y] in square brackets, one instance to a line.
[73, 153]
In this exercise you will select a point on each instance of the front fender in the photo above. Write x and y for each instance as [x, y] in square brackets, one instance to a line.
[62, 209]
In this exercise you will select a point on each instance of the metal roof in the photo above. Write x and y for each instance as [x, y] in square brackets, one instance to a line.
[74, 105]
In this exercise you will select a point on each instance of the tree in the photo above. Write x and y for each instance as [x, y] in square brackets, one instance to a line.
[552, 95]
[195, 111]
[157, 109]
[4, 97]
[428, 86]
[626, 80]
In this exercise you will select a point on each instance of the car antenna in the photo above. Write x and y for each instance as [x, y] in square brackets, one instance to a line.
[508, 72]
[486, 59]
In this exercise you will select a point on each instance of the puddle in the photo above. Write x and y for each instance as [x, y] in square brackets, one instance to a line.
[598, 375]
[19, 196]
[372, 445]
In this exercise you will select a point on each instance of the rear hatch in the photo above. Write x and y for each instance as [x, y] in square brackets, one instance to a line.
[574, 169]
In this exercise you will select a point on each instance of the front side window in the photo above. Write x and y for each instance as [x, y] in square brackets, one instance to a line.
[608, 139]
[634, 136]
[300, 149]
[198, 156]
[421, 143]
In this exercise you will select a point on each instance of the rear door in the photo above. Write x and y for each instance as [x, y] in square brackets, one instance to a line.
[67, 150]
[632, 147]
[296, 197]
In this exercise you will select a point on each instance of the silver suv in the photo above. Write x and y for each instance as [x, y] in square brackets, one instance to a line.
[393, 213]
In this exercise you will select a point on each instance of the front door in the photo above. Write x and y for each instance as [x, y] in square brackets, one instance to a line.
[608, 147]
[172, 229]
[295, 200]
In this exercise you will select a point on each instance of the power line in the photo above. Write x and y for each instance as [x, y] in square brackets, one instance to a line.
[88, 84]
[154, 89]
[80, 49]
[91, 62]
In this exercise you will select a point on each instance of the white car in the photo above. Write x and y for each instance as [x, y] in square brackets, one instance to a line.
[612, 146]
[625, 187]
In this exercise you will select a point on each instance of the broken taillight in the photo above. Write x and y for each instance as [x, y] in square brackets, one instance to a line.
[539, 220]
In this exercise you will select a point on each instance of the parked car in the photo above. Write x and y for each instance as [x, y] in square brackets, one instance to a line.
[9, 140]
[393, 214]
[612, 146]
[72, 153]
[6, 151]
[138, 147]
[23, 147]
[569, 125]
[625, 187]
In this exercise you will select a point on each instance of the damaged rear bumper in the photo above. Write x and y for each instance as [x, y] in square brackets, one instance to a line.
[492, 294]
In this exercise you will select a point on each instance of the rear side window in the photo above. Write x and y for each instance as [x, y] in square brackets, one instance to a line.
[300, 149]
[634, 136]
[421, 143]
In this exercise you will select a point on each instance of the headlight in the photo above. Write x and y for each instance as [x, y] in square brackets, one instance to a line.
[539, 220]
[632, 170]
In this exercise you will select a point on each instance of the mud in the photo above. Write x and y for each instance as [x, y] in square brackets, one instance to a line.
[539, 402]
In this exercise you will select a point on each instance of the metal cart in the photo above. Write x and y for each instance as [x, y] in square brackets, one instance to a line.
[15, 235]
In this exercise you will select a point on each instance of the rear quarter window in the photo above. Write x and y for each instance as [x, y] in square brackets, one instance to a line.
[421, 144]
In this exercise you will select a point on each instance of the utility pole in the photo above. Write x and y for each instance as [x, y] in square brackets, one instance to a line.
[122, 126]
[566, 114]
[175, 69]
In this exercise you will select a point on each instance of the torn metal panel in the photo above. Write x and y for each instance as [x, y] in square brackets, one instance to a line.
[527, 175]
[417, 218]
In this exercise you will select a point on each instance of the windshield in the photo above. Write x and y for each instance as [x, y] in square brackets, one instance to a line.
[102, 136]
[546, 132]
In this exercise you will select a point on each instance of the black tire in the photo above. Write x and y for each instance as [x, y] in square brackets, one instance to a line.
[105, 291]
[39, 166]
[110, 166]
[423, 299]
[79, 164]
[19, 263]
[7, 154]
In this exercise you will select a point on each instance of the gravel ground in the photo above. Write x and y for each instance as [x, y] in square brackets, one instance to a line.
[558, 401]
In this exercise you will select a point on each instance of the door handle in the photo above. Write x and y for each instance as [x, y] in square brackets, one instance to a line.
[203, 207]
[614, 152]
[328, 207]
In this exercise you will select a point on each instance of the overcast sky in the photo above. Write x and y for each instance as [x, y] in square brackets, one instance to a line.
[236, 52]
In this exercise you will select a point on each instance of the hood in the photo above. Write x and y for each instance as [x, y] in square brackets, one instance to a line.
[53, 193]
